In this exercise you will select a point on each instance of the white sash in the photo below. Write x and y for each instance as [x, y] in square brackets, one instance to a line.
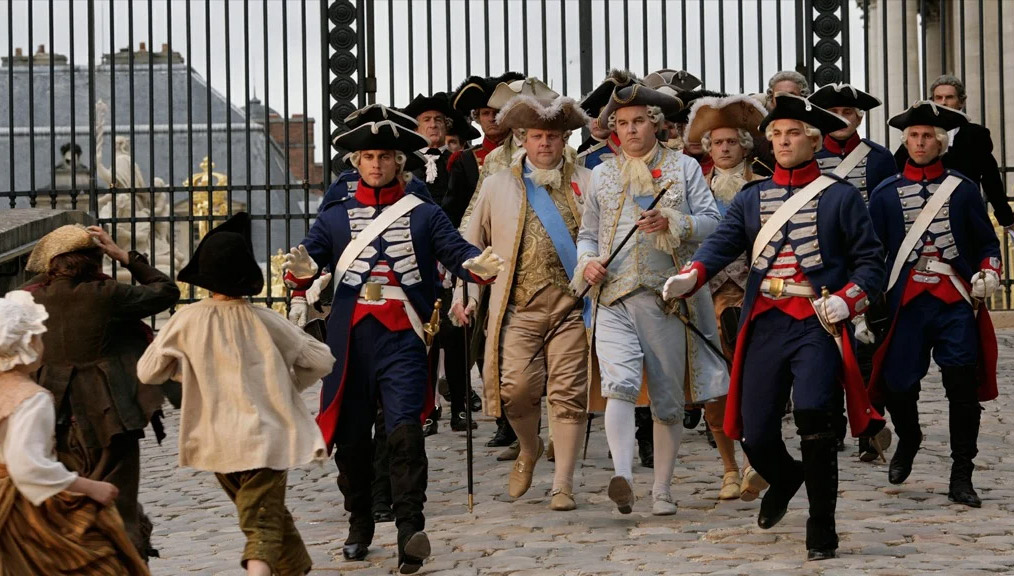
[852, 160]
[788, 210]
[922, 222]
[371, 232]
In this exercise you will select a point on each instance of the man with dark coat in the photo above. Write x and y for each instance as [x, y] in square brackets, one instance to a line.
[432, 115]
[970, 150]
[945, 260]
[471, 99]
[382, 245]
[864, 164]
[814, 263]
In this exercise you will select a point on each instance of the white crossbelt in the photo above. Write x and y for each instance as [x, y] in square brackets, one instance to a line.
[395, 293]
[852, 160]
[777, 288]
[944, 269]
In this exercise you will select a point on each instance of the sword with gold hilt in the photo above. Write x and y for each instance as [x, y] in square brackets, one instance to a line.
[432, 328]
[835, 331]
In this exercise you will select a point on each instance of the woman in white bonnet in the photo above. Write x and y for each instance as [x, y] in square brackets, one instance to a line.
[52, 521]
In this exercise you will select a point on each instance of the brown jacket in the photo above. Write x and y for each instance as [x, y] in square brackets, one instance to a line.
[93, 341]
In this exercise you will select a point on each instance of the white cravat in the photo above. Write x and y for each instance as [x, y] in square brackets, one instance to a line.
[635, 174]
[547, 178]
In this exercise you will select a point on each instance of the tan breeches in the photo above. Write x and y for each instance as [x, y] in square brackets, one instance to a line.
[561, 368]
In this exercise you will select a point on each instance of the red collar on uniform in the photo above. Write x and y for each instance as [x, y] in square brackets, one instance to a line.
[931, 171]
[614, 141]
[371, 196]
[839, 148]
[487, 146]
[799, 176]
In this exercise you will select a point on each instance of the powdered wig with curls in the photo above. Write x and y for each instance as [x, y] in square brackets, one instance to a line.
[655, 115]
[745, 140]
[399, 157]
[815, 136]
[942, 137]
[791, 75]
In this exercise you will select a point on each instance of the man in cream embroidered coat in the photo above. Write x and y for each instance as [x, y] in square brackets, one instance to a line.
[537, 211]
[634, 337]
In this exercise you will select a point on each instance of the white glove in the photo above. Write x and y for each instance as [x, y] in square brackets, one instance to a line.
[863, 332]
[485, 265]
[832, 309]
[318, 286]
[679, 285]
[299, 263]
[462, 317]
[298, 310]
[984, 283]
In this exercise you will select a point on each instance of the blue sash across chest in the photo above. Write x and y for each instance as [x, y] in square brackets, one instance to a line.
[549, 215]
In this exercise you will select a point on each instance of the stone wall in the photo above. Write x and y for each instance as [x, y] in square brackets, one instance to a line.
[20, 230]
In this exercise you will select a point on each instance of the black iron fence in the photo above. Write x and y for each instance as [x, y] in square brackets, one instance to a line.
[237, 108]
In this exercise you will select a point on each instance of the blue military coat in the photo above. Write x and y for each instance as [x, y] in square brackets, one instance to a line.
[877, 166]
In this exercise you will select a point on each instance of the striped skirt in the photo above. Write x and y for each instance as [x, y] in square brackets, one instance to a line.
[67, 534]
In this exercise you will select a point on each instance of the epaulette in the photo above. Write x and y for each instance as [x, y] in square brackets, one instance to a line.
[590, 149]
[333, 203]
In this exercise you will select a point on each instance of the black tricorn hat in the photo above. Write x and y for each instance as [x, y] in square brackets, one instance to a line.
[688, 98]
[843, 96]
[385, 135]
[638, 95]
[462, 127]
[475, 91]
[437, 102]
[791, 107]
[593, 102]
[679, 80]
[927, 113]
[379, 113]
[224, 262]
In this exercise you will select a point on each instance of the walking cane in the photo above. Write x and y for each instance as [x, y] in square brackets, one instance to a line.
[468, 410]
[580, 297]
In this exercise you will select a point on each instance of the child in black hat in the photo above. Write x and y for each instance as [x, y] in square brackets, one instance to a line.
[243, 368]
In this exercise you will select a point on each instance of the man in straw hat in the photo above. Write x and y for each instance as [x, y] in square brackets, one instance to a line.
[945, 260]
[383, 246]
[814, 261]
[95, 336]
[727, 128]
[537, 207]
[635, 338]
[865, 164]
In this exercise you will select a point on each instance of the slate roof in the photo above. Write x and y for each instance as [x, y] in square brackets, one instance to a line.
[256, 159]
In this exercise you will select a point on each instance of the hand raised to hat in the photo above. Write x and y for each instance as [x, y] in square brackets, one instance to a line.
[485, 265]
[299, 263]
[108, 246]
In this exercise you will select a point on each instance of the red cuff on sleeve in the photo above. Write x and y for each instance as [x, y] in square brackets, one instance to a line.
[855, 297]
[296, 283]
[702, 275]
[480, 281]
[991, 264]
[297, 294]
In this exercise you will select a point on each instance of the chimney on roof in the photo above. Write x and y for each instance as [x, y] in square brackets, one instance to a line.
[18, 53]
[143, 48]
[41, 50]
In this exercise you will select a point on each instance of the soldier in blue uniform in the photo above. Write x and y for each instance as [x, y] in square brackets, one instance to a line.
[383, 245]
[814, 262]
[864, 164]
[860, 161]
[945, 259]
[602, 144]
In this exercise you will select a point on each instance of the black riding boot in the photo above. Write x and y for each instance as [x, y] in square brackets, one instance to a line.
[355, 474]
[785, 475]
[960, 383]
[904, 410]
[407, 451]
[381, 486]
[504, 435]
[819, 445]
[644, 434]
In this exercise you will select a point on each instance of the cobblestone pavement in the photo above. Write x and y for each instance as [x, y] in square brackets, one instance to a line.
[884, 529]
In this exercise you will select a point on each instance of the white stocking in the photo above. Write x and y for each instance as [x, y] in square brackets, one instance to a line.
[620, 435]
[667, 444]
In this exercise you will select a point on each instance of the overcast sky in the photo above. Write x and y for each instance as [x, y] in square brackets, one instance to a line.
[423, 64]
